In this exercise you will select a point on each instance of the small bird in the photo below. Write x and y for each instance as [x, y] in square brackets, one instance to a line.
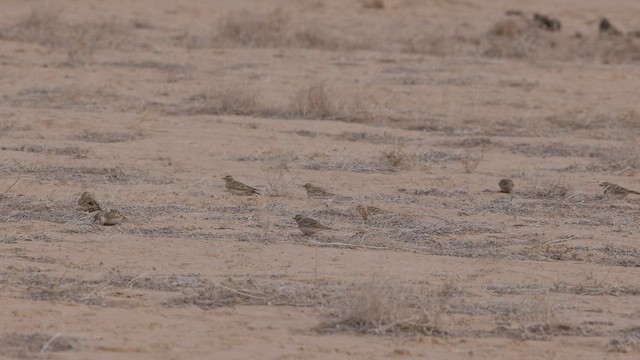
[313, 190]
[238, 188]
[109, 217]
[506, 186]
[617, 191]
[309, 226]
[606, 28]
[365, 211]
[88, 202]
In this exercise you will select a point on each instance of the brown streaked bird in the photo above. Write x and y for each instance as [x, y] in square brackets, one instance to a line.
[313, 190]
[365, 211]
[309, 226]
[506, 186]
[237, 188]
[109, 217]
[611, 189]
[88, 202]
[606, 28]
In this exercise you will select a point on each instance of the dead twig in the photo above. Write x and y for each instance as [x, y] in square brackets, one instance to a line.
[9, 188]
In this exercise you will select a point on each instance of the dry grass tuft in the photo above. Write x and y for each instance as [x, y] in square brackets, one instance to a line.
[233, 99]
[544, 188]
[536, 320]
[523, 39]
[254, 30]
[353, 165]
[279, 184]
[470, 163]
[28, 208]
[316, 101]
[276, 29]
[394, 155]
[248, 292]
[516, 38]
[389, 308]
[311, 102]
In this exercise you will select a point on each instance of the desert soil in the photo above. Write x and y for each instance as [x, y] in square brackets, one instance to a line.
[417, 107]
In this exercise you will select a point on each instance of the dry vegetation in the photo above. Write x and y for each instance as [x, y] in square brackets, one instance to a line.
[421, 120]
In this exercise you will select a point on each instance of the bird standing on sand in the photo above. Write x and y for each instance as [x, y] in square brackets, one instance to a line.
[309, 226]
[506, 186]
[238, 188]
[88, 202]
[365, 211]
[611, 189]
[313, 190]
[109, 217]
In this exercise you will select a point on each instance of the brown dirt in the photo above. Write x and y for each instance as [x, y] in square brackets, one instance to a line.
[419, 108]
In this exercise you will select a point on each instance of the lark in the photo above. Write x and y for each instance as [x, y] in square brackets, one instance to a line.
[365, 211]
[606, 28]
[617, 191]
[506, 186]
[309, 226]
[238, 188]
[317, 191]
[88, 202]
[546, 23]
[109, 217]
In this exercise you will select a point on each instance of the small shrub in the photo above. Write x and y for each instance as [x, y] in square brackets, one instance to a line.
[279, 183]
[470, 163]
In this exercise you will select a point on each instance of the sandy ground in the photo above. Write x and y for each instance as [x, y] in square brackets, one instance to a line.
[417, 107]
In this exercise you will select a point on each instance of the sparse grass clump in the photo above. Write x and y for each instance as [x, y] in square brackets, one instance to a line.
[254, 30]
[470, 163]
[544, 188]
[389, 308]
[314, 102]
[279, 184]
[396, 157]
[275, 29]
[317, 101]
[230, 99]
[353, 165]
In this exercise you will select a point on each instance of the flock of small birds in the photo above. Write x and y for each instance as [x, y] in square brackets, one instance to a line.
[544, 22]
[308, 226]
